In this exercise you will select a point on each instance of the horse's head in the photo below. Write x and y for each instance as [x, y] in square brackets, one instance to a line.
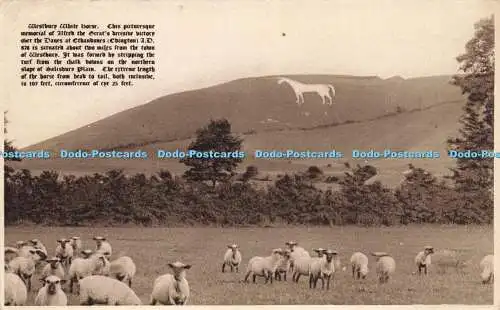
[281, 80]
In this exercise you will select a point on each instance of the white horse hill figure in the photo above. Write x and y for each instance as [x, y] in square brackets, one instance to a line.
[323, 90]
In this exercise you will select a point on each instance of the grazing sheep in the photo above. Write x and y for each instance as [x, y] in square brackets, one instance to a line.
[65, 252]
[322, 268]
[15, 291]
[171, 289]
[76, 244]
[232, 257]
[487, 269]
[385, 266]
[104, 290]
[37, 244]
[103, 246]
[359, 264]
[24, 268]
[123, 269]
[53, 268]
[445, 259]
[423, 259]
[283, 266]
[96, 264]
[264, 266]
[51, 293]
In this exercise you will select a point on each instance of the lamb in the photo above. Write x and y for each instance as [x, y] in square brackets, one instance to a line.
[24, 268]
[104, 290]
[171, 289]
[53, 268]
[487, 270]
[123, 269]
[65, 252]
[51, 293]
[322, 268]
[76, 244]
[232, 258]
[385, 266]
[96, 264]
[283, 266]
[15, 291]
[359, 264]
[103, 246]
[423, 259]
[264, 266]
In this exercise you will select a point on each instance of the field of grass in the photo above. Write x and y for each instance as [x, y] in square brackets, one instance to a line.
[153, 248]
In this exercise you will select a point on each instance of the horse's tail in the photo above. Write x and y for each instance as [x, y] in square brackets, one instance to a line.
[332, 89]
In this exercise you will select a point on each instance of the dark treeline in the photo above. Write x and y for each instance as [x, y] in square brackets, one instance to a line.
[208, 193]
[117, 199]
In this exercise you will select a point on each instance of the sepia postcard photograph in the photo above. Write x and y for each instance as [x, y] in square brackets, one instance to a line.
[215, 153]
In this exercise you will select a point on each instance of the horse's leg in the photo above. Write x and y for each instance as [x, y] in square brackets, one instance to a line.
[297, 95]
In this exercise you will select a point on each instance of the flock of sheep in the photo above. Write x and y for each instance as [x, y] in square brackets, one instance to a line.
[101, 281]
[297, 261]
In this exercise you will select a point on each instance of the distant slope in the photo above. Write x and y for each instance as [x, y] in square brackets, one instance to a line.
[254, 105]
[424, 130]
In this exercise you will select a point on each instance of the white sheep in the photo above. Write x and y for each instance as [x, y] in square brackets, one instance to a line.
[385, 266]
[104, 290]
[51, 293]
[446, 258]
[232, 258]
[65, 252]
[76, 244]
[296, 253]
[15, 291]
[322, 268]
[264, 266]
[359, 265]
[95, 264]
[423, 259]
[103, 246]
[294, 248]
[301, 266]
[10, 253]
[123, 269]
[37, 244]
[171, 289]
[24, 268]
[283, 266]
[28, 251]
[53, 268]
[487, 269]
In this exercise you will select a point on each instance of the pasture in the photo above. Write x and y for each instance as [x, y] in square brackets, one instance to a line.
[153, 248]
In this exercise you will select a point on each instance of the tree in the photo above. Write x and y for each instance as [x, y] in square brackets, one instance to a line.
[216, 137]
[7, 144]
[477, 66]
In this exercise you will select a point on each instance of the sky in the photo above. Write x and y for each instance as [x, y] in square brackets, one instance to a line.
[204, 43]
